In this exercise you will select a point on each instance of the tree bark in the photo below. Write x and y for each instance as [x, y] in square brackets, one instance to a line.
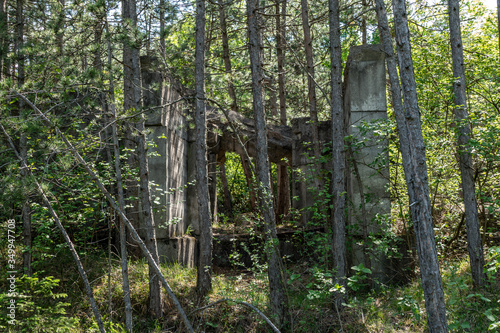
[245, 164]
[23, 140]
[311, 87]
[278, 296]
[283, 197]
[226, 57]
[27, 237]
[338, 157]
[121, 196]
[131, 58]
[474, 243]
[228, 203]
[203, 281]
[3, 36]
[59, 27]
[417, 180]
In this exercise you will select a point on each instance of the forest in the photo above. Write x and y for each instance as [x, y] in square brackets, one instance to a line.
[154, 178]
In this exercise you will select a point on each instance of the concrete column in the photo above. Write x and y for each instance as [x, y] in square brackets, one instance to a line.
[365, 105]
[168, 165]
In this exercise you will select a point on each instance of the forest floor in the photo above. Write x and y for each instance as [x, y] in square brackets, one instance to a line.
[54, 300]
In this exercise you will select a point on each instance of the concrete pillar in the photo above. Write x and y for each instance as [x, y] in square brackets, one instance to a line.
[365, 105]
[168, 164]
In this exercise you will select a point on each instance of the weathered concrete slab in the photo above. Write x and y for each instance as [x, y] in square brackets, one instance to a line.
[178, 249]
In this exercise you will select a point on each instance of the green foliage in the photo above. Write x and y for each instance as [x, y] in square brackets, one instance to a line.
[39, 307]
[240, 193]
[358, 280]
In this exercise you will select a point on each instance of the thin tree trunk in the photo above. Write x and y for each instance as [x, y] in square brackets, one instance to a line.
[234, 102]
[203, 281]
[226, 57]
[20, 41]
[475, 246]
[283, 197]
[417, 180]
[311, 87]
[131, 58]
[278, 295]
[23, 140]
[59, 27]
[121, 196]
[27, 237]
[363, 23]
[3, 36]
[228, 204]
[245, 164]
[162, 30]
[71, 247]
[114, 205]
[338, 157]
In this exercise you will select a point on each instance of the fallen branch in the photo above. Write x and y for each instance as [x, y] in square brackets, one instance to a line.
[242, 303]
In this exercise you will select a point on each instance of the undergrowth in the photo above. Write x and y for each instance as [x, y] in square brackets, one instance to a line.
[45, 305]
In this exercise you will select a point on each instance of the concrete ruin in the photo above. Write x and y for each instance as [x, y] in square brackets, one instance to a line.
[172, 166]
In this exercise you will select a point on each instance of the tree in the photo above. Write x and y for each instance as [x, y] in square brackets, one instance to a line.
[474, 243]
[283, 193]
[120, 193]
[132, 101]
[278, 296]
[417, 179]
[3, 37]
[338, 157]
[311, 85]
[203, 282]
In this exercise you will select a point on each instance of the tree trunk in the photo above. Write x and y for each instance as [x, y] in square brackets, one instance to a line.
[226, 57]
[228, 203]
[131, 59]
[162, 30]
[3, 36]
[417, 180]
[59, 27]
[475, 246]
[23, 140]
[245, 164]
[283, 197]
[203, 281]
[278, 296]
[121, 196]
[311, 87]
[363, 23]
[27, 238]
[338, 157]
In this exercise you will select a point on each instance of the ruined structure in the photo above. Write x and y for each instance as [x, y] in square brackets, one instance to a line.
[173, 164]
